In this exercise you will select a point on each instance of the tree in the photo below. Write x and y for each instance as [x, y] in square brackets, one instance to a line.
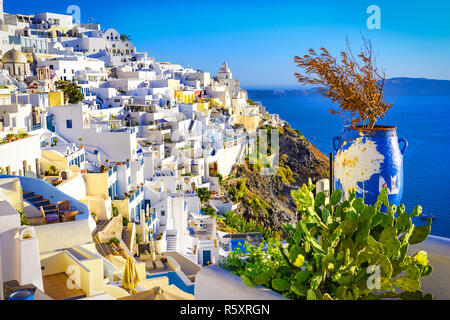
[125, 37]
[204, 194]
[357, 86]
[72, 92]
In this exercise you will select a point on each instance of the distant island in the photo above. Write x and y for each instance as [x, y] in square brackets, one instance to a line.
[393, 86]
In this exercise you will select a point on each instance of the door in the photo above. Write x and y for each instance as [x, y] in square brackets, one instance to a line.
[206, 257]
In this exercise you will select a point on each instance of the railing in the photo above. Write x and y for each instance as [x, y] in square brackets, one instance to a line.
[54, 195]
[36, 127]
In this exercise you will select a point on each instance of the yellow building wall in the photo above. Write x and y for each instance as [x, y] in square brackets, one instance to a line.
[203, 107]
[174, 84]
[98, 205]
[184, 96]
[50, 158]
[56, 98]
[5, 99]
[122, 207]
[12, 190]
[96, 184]
[250, 123]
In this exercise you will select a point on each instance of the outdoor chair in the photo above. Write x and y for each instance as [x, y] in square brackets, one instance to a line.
[63, 206]
[158, 265]
[49, 218]
[68, 215]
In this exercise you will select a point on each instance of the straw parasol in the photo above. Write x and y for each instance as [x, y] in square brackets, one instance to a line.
[130, 276]
[152, 249]
[171, 292]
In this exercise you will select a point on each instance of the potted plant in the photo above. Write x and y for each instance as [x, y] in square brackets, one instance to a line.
[367, 156]
[145, 255]
[159, 242]
[114, 241]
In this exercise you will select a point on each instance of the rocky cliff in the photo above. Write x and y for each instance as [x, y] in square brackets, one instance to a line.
[268, 197]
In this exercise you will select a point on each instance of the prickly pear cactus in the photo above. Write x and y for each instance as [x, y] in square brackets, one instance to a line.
[343, 249]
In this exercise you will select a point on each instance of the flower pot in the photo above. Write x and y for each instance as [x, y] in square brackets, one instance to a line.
[159, 246]
[369, 160]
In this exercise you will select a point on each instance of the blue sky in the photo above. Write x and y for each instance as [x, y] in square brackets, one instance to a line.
[259, 39]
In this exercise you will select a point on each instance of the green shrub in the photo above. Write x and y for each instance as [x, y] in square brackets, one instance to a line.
[209, 211]
[115, 211]
[243, 225]
[342, 250]
[125, 221]
[237, 192]
[23, 219]
[251, 102]
[115, 241]
[256, 204]
[204, 194]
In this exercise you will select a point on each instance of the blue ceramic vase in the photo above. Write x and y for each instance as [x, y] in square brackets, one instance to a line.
[368, 160]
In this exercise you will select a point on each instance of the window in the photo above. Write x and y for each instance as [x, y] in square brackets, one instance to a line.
[69, 124]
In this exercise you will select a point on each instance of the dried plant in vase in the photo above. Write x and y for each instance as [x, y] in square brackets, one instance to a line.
[355, 83]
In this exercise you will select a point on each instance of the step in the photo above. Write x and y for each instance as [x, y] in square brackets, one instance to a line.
[40, 203]
[49, 206]
[50, 211]
[34, 198]
[27, 194]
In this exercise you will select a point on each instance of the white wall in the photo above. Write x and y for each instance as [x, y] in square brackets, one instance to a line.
[26, 149]
[215, 283]
[74, 187]
[9, 246]
[438, 251]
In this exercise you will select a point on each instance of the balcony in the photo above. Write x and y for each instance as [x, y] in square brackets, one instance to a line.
[36, 127]
[47, 191]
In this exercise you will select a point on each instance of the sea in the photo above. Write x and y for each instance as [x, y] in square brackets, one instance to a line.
[423, 120]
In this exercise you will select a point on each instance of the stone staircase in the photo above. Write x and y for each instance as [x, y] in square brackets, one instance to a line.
[127, 237]
[38, 200]
[171, 242]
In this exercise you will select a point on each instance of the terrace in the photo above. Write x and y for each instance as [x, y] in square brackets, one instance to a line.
[11, 137]
[45, 204]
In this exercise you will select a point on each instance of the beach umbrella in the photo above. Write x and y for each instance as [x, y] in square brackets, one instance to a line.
[152, 249]
[130, 276]
[171, 292]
